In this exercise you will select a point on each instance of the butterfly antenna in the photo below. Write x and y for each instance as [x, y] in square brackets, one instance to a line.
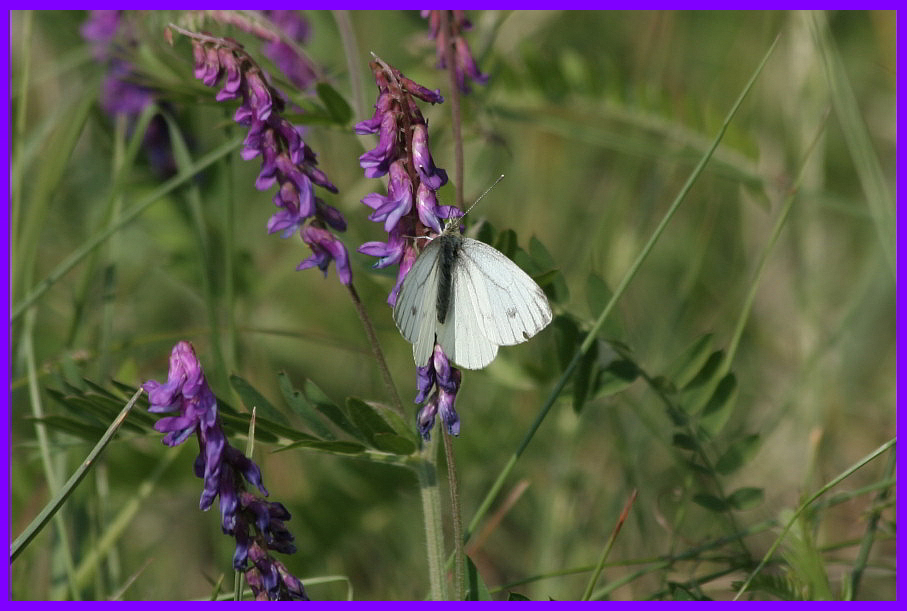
[483, 195]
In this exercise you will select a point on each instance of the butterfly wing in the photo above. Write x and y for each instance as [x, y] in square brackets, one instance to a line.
[461, 335]
[511, 306]
[415, 312]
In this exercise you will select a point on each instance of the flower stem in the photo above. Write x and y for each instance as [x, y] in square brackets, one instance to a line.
[427, 473]
[456, 123]
[376, 349]
[456, 517]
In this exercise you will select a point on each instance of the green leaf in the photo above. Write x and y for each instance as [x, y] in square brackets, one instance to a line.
[335, 104]
[583, 377]
[377, 432]
[552, 280]
[302, 408]
[597, 294]
[393, 444]
[738, 454]
[252, 398]
[486, 233]
[567, 339]
[695, 466]
[746, 498]
[684, 368]
[684, 441]
[269, 431]
[516, 596]
[506, 242]
[475, 587]
[331, 410]
[396, 422]
[618, 375]
[710, 502]
[333, 447]
[720, 405]
[94, 411]
[705, 373]
[697, 391]
[88, 432]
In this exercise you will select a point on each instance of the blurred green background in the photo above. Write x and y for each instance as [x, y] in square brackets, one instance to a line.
[596, 119]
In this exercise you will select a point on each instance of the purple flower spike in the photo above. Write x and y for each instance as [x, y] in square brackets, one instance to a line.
[434, 178]
[286, 160]
[399, 200]
[377, 161]
[297, 67]
[257, 525]
[427, 206]
[390, 252]
[438, 374]
[325, 248]
[230, 65]
[465, 66]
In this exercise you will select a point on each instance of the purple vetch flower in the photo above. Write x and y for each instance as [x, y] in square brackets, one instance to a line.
[445, 380]
[403, 153]
[326, 248]
[409, 212]
[464, 64]
[257, 525]
[111, 37]
[286, 160]
[269, 579]
[294, 65]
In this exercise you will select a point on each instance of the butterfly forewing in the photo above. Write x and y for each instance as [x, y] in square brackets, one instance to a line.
[511, 306]
[414, 312]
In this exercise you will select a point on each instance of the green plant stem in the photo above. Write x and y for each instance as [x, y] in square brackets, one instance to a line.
[44, 445]
[871, 527]
[238, 576]
[618, 293]
[118, 526]
[856, 135]
[229, 255]
[456, 122]
[427, 472]
[459, 584]
[16, 146]
[351, 52]
[130, 215]
[597, 571]
[766, 251]
[122, 165]
[376, 350]
[656, 563]
[840, 478]
[60, 497]
[206, 269]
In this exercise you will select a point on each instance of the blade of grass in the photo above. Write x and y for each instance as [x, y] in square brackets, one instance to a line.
[871, 527]
[184, 163]
[840, 478]
[119, 524]
[80, 253]
[856, 135]
[596, 573]
[55, 503]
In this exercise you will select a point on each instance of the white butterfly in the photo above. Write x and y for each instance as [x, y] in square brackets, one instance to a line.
[469, 298]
